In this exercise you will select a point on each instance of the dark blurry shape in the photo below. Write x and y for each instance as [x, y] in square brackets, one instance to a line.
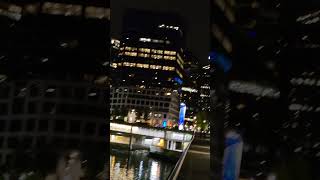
[220, 60]
[53, 83]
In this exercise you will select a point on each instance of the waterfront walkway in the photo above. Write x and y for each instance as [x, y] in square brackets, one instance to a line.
[197, 162]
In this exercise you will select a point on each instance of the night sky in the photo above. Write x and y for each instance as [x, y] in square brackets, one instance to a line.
[194, 14]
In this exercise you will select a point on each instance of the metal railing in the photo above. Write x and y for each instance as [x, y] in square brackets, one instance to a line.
[176, 170]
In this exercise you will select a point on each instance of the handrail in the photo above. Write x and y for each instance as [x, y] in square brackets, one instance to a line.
[175, 171]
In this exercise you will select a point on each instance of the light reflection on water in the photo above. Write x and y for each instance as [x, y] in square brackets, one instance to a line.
[138, 167]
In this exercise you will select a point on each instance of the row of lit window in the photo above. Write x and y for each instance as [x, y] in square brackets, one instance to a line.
[140, 90]
[146, 66]
[304, 17]
[129, 48]
[60, 9]
[130, 53]
[299, 107]
[168, 27]
[147, 50]
[138, 102]
[13, 9]
[301, 81]
[154, 40]
[70, 9]
[144, 50]
[253, 89]
[145, 55]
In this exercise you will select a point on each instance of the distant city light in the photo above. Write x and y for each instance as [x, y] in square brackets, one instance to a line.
[45, 60]
[50, 90]
[188, 89]
[92, 94]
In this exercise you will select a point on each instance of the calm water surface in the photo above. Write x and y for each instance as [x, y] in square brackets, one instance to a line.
[137, 166]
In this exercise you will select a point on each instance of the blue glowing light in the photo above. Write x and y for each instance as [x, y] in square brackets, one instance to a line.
[222, 61]
[164, 123]
[182, 113]
[232, 156]
[252, 34]
[178, 80]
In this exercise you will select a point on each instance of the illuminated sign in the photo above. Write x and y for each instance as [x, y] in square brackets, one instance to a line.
[182, 114]
[164, 123]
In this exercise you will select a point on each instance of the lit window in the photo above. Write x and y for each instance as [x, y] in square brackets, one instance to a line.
[130, 48]
[156, 56]
[31, 8]
[144, 50]
[157, 51]
[61, 9]
[169, 57]
[168, 68]
[155, 40]
[15, 9]
[132, 64]
[97, 12]
[145, 39]
[170, 52]
[155, 67]
[168, 27]
[114, 65]
[143, 55]
[129, 64]
[130, 53]
[142, 65]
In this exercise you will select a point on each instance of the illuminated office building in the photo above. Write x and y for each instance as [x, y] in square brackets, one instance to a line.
[153, 106]
[150, 56]
[204, 88]
[150, 60]
[190, 90]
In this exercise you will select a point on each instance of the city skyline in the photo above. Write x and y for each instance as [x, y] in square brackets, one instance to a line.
[162, 89]
[195, 22]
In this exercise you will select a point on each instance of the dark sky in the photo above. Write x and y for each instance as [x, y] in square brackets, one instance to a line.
[195, 14]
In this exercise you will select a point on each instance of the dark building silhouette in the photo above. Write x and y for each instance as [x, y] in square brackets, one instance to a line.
[53, 82]
[247, 95]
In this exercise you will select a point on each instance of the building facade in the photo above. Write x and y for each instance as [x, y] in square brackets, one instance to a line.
[148, 69]
[153, 106]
